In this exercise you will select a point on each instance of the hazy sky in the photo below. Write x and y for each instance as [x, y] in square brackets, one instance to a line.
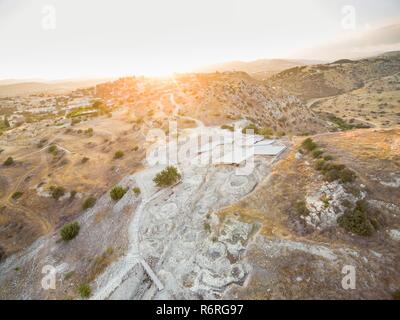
[92, 38]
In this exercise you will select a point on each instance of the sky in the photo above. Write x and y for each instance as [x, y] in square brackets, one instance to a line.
[59, 39]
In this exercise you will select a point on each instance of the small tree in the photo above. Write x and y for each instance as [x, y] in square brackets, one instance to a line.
[119, 154]
[89, 203]
[16, 195]
[9, 161]
[57, 192]
[167, 177]
[136, 190]
[117, 192]
[85, 290]
[309, 144]
[70, 231]
[52, 149]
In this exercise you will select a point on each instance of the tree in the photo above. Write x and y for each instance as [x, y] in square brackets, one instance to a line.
[117, 193]
[167, 177]
[70, 231]
[9, 161]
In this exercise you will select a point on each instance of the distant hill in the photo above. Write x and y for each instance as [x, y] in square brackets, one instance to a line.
[259, 69]
[324, 80]
[11, 87]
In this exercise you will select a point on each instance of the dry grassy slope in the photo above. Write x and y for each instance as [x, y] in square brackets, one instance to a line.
[217, 98]
[377, 103]
[319, 81]
[36, 213]
[291, 261]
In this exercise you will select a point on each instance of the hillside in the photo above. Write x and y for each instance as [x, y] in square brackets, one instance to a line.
[217, 99]
[342, 76]
[11, 88]
[258, 69]
[377, 104]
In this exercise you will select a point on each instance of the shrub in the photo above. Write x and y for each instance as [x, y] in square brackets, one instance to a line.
[325, 200]
[357, 221]
[333, 172]
[9, 161]
[70, 231]
[320, 164]
[85, 290]
[136, 148]
[167, 177]
[53, 150]
[396, 295]
[89, 132]
[117, 193]
[84, 160]
[16, 195]
[347, 176]
[301, 208]
[89, 203]
[328, 158]
[227, 127]
[136, 190]
[266, 132]
[250, 127]
[340, 123]
[119, 154]
[57, 192]
[317, 153]
[309, 144]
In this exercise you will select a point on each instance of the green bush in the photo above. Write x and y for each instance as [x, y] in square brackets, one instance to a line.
[136, 190]
[89, 132]
[85, 290]
[357, 221]
[333, 172]
[227, 127]
[53, 150]
[347, 176]
[320, 164]
[396, 295]
[117, 192]
[317, 153]
[167, 177]
[57, 192]
[9, 161]
[340, 123]
[309, 144]
[70, 231]
[266, 132]
[301, 208]
[16, 195]
[89, 203]
[250, 127]
[119, 154]
[328, 158]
